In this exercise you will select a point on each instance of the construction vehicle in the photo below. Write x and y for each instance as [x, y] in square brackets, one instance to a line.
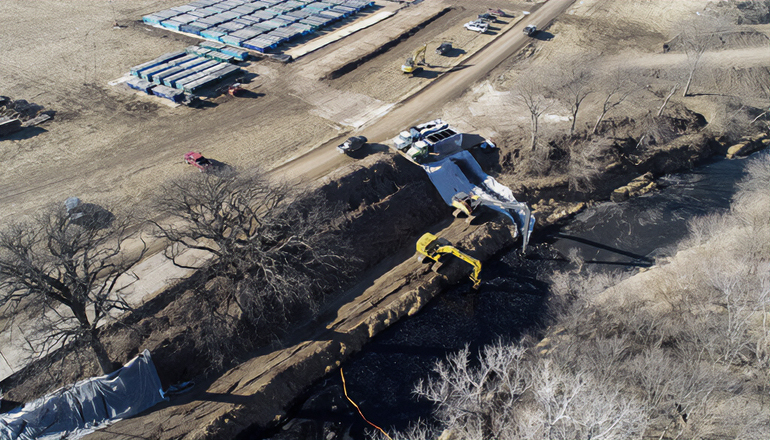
[435, 248]
[405, 139]
[530, 30]
[465, 204]
[411, 65]
[352, 144]
[235, 89]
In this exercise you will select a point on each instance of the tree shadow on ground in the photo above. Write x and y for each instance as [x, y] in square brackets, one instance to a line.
[220, 169]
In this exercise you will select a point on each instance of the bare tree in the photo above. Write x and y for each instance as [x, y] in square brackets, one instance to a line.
[533, 93]
[219, 215]
[697, 36]
[665, 101]
[574, 84]
[619, 88]
[64, 268]
[513, 394]
[276, 242]
[656, 130]
[478, 403]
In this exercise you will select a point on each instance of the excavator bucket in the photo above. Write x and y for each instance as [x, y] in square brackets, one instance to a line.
[434, 248]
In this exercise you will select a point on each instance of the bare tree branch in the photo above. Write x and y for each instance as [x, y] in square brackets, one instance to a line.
[279, 243]
[532, 92]
[698, 35]
[619, 88]
[58, 259]
[573, 83]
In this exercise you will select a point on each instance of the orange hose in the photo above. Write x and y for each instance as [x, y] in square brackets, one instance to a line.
[345, 389]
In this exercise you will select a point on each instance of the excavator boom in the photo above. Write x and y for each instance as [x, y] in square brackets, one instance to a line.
[417, 58]
[434, 248]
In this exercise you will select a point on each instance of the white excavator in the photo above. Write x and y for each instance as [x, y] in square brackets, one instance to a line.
[411, 65]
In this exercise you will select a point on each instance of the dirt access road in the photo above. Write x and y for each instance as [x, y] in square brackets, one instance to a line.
[112, 146]
[426, 104]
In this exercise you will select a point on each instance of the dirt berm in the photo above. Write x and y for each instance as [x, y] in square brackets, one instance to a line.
[387, 202]
[259, 391]
[391, 202]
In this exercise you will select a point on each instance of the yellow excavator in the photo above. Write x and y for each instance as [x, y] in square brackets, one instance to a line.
[434, 248]
[411, 65]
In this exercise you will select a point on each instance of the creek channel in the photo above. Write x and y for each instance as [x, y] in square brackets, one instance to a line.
[511, 301]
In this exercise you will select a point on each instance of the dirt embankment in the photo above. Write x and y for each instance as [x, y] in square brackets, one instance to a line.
[387, 201]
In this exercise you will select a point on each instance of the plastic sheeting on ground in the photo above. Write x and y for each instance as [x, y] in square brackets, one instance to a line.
[461, 173]
[75, 411]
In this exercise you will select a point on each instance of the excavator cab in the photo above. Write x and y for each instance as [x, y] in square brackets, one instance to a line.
[411, 65]
[434, 248]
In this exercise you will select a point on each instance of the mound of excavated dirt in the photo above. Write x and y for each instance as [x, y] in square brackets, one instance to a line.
[389, 200]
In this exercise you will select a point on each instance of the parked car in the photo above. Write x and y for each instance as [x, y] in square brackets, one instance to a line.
[477, 26]
[352, 144]
[197, 160]
[530, 30]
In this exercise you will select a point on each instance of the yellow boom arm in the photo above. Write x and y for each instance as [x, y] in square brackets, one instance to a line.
[418, 57]
[434, 247]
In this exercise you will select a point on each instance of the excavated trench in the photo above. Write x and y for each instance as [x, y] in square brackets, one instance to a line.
[387, 201]
[511, 301]
[352, 65]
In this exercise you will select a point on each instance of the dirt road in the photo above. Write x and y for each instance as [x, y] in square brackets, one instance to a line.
[424, 105]
[94, 149]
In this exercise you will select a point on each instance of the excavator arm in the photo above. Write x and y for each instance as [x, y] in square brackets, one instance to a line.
[468, 259]
[417, 58]
[434, 248]
[469, 204]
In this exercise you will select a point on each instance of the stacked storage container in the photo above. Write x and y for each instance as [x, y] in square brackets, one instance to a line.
[259, 25]
[172, 74]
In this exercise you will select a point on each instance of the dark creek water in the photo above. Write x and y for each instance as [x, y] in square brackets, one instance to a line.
[510, 301]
